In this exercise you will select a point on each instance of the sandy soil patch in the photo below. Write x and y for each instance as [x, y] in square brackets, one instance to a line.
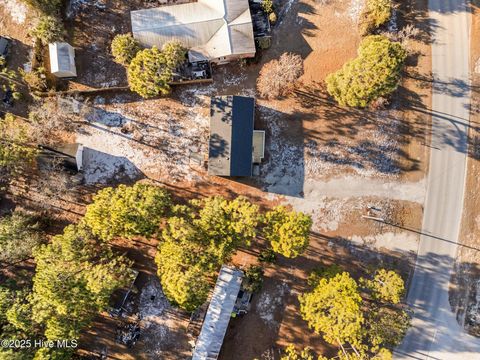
[465, 287]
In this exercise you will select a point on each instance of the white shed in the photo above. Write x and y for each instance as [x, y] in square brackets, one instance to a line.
[62, 60]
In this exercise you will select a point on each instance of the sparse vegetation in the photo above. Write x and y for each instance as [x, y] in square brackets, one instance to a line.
[47, 7]
[124, 48]
[49, 120]
[374, 73]
[35, 79]
[19, 235]
[291, 353]
[279, 77]
[49, 29]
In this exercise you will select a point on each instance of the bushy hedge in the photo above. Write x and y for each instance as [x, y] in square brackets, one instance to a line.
[374, 73]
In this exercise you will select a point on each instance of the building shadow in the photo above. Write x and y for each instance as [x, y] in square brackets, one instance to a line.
[282, 171]
[102, 168]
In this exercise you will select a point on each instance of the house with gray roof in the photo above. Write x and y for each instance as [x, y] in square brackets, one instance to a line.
[215, 30]
[231, 136]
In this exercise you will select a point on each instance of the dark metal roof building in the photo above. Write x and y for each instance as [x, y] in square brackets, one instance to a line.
[231, 136]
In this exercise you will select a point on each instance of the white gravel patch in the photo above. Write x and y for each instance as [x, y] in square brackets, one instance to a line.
[16, 9]
[269, 302]
[157, 143]
[355, 9]
[401, 241]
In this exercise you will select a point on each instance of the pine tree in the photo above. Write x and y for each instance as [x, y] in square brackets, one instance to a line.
[74, 279]
[127, 211]
[287, 231]
[333, 309]
[19, 235]
[374, 73]
[196, 241]
[386, 286]
[151, 70]
[16, 153]
[124, 48]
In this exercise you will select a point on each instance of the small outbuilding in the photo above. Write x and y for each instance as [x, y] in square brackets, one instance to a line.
[62, 60]
[218, 315]
[231, 136]
[70, 156]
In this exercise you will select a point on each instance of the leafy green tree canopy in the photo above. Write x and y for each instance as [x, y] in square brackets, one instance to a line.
[386, 285]
[75, 277]
[124, 48]
[151, 70]
[127, 211]
[196, 241]
[374, 73]
[333, 310]
[287, 231]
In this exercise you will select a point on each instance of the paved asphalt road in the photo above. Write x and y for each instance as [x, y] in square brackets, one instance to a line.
[435, 333]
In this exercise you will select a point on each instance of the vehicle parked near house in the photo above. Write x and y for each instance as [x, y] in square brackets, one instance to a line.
[8, 97]
[4, 48]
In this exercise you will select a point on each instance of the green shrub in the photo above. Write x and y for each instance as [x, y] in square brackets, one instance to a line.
[175, 53]
[374, 14]
[272, 17]
[124, 48]
[264, 42]
[267, 255]
[267, 6]
[49, 29]
[374, 73]
[151, 71]
[253, 278]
